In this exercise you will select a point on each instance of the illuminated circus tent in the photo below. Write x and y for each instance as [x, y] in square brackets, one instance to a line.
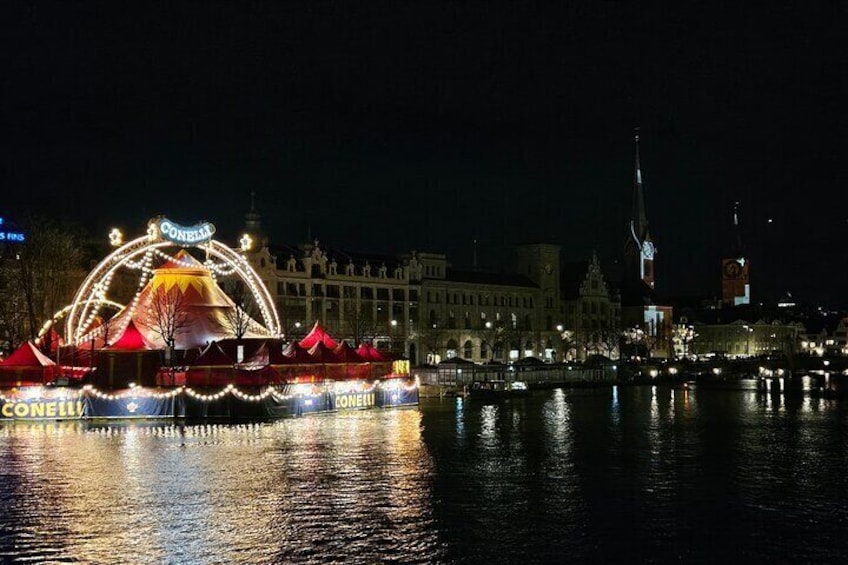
[178, 301]
[182, 343]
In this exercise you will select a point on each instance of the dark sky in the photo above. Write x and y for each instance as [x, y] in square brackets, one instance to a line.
[387, 127]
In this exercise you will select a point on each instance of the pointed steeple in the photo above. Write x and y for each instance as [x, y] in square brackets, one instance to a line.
[253, 224]
[638, 217]
[738, 250]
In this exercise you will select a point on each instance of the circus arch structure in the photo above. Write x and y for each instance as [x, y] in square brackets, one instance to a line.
[180, 270]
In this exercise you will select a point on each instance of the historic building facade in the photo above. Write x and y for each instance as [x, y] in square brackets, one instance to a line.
[591, 312]
[416, 304]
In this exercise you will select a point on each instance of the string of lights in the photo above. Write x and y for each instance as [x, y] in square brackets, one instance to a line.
[230, 389]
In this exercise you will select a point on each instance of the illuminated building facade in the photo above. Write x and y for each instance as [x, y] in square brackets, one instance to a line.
[741, 338]
[592, 311]
[735, 271]
[416, 304]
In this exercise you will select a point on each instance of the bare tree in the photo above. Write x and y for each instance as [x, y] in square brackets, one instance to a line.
[517, 334]
[639, 342]
[433, 340]
[238, 319]
[682, 335]
[609, 339]
[359, 322]
[167, 315]
[491, 336]
[41, 276]
[569, 341]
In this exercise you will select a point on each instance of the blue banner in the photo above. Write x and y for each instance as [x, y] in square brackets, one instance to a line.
[134, 407]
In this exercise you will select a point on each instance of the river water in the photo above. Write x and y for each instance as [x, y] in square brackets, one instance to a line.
[629, 474]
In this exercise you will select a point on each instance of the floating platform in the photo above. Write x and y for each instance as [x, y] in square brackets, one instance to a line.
[227, 403]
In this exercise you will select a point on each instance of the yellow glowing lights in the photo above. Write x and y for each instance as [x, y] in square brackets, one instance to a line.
[246, 242]
[116, 238]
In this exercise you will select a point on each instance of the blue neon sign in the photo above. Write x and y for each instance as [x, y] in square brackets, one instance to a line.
[14, 236]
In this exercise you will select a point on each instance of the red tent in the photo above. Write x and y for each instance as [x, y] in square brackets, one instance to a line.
[130, 340]
[356, 368]
[347, 354]
[298, 354]
[316, 335]
[212, 368]
[322, 354]
[367, 351]
[27, 366]
[306, 368]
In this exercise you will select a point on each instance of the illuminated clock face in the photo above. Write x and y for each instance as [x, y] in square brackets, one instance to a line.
[648, 250]
[732, 269]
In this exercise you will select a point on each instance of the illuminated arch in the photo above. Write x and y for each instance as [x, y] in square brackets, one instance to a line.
[92, 292]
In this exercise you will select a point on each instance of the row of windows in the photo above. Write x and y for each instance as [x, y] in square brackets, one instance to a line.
[333, 291]
[592, 307]
[471, 322]
[481, 300]
[366, 270]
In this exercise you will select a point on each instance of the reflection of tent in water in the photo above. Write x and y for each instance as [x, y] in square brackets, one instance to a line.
[27, 366]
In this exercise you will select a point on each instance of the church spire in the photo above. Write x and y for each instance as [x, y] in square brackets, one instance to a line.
[638, 218]
[736, 231]
[253, 223]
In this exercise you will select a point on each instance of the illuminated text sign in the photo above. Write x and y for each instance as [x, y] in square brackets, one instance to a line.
[355, 400]
[48, 409]
[10, 235]
[184, 235]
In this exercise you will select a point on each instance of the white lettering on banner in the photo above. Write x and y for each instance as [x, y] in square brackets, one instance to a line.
[185, 235]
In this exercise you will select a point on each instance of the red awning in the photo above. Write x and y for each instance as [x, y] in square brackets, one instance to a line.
[130, 340]
[28, 355]
[318, 335]
[346, 354]
[322, 354]
[367, 351]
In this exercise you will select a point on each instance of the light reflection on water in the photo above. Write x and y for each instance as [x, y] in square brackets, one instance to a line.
[352, 485]
[632, 473]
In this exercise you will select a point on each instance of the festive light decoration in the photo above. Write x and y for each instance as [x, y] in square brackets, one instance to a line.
[29, 393]
[116, 238]
[138, 254]
[246, 242]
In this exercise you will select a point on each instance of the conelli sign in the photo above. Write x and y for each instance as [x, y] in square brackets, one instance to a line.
[184, 235]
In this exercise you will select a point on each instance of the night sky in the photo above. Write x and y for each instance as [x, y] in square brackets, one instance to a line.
[387, 127]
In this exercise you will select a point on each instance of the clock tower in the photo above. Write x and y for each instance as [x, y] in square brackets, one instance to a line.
[639, 249]
[735, 270]
[640, 307]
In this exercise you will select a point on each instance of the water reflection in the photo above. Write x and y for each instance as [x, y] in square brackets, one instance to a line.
[634, 473]
[353, 486]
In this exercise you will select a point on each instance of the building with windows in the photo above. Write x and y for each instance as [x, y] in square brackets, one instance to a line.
[415, 304]
[591, 311]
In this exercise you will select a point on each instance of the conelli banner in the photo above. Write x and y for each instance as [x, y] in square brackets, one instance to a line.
[42, 409]
[87, 407]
